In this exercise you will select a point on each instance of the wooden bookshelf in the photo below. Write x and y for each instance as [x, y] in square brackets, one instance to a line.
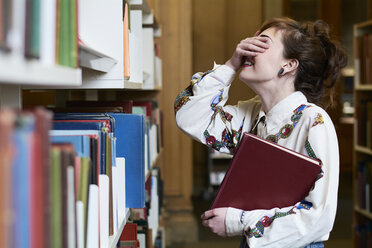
[100, 67]
[362, 130]
[115, 238]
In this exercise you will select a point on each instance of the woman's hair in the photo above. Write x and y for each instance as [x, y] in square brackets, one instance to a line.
[320, 58]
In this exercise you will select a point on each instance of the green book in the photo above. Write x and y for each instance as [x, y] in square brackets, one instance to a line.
[64, 32]
[73, 47]
[56, 199]
[35, 36]
[83, 188]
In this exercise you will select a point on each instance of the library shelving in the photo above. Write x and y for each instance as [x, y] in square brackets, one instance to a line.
[112, 52]
[362, 164]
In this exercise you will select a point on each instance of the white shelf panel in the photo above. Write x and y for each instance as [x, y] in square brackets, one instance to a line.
[115, 238]
[22, 72]
[95, 60]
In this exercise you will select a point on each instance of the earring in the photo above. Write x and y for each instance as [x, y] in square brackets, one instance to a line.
[281, 71]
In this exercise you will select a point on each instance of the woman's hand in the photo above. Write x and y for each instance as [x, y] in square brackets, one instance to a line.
[215, 220]
[247, 48]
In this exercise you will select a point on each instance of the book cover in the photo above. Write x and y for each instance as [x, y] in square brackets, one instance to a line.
[56, 198]
[7, 119]
[264, 175]
[93, 217]
[130, 129]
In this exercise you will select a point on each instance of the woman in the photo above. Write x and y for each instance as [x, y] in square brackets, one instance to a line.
[288, 65]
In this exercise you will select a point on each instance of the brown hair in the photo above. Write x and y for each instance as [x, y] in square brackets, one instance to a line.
[320, 58]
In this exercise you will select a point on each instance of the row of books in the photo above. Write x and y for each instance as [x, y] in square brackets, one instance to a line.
[146, 220]
[363, 235]
[363, 57]
[364, 123]
[364, 183]
[40, 29]
[127, 34]
[136, 235]
[98, 159]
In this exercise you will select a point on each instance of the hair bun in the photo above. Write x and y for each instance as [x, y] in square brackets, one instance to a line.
[318, 28]
[321, 28]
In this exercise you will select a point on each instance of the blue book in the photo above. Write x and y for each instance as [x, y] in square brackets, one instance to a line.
[21, 180]
[129, 133]
[86, 116]
[88, 126]
[81, 143]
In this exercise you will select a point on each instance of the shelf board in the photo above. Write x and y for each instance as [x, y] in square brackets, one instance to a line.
[363, 212]
[115, 238]
[220, 156]
[363, 24]
[347, 120]
[92, 59]
[132, 85]
[363, 87]
[363, 149]
[14, 70]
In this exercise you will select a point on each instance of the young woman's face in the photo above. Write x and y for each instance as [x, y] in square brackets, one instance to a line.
[266, 65]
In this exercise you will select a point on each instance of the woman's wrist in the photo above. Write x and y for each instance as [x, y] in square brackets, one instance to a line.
[231, 65]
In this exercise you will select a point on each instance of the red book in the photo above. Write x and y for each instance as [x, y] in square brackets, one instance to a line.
[264, 175]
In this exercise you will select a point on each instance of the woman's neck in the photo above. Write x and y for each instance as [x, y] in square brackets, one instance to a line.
[270, 96]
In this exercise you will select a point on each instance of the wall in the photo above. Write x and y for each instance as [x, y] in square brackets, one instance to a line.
[217, 27]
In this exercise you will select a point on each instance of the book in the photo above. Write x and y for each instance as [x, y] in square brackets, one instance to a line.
[7, 119]
[130, 130]
[56, 198]
[264, 175]
[93, 217]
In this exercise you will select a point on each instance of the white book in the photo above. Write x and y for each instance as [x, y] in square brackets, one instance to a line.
[146, 154]
[154, 142]
[48, 18]
[148, 58]
[16, 36]
[142, 240]
[158, 72]
[104, 210]
[71, 207]
[80, 224]
[92, 219]
[104, 35]
[135, 47]
[153, 218]
[120, 165]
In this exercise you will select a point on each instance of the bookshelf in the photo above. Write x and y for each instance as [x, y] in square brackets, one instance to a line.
[100, 55]
[362, 173]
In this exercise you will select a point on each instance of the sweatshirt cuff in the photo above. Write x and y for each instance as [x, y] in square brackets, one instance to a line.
[233, 224]
[223, 73]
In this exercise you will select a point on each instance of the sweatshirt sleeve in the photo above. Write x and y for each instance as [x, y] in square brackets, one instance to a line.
[201, 112]
[307, 221]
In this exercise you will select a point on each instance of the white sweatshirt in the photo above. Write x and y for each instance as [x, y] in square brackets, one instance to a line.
[294, 123]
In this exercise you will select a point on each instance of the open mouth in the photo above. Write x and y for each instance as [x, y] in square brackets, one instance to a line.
[248, 63]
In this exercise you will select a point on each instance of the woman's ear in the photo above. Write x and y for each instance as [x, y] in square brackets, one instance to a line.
[290, 66]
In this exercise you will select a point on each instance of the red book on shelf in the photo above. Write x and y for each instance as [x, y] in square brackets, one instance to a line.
[264, 175]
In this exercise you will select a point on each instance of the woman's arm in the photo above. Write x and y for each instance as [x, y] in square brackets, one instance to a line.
[309, 220]
[201, 112]
[200, 109]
